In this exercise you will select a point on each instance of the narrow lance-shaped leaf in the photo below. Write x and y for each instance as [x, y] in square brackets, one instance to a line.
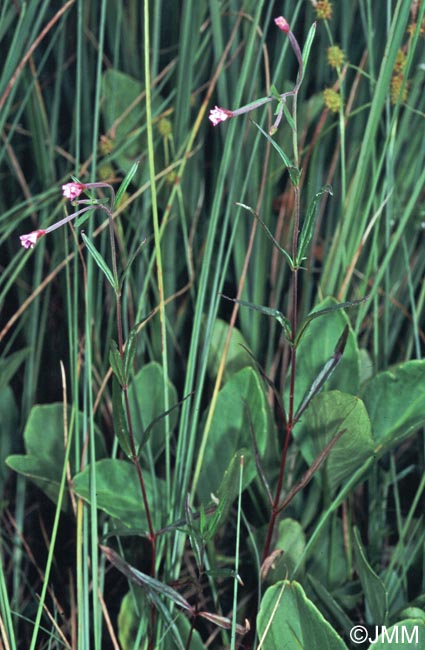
[294, 172]
[308, 475]
[117, 363]
[324, 374]
[145, 581]
[100, 261]
[279, 150]
[225, 623]
[126, 182]
[148, 430]
[308, 43]
[126, 271]
[120, 421]
[376, 595]
[278, 398]
[289, 118]
[322, 312]
[194, 535]
[268, 233]
[267, 311]
[309, 224]
[130, 352]
[275, 93]
[257, 457]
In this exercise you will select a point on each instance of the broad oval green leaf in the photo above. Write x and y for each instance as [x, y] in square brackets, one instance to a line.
[237, 358]
[118, 493]
[241, 405]
[376, 595]
[317, 346]
[45, 448]
[124, 114]
[395, 401]
[328, 414]
[146, 398]
[289, 620]
[409, 633]
[291, 541]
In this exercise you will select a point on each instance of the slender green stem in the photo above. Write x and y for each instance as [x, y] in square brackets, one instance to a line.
[158, 254]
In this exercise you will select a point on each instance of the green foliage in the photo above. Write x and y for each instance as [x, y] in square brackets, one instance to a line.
[45, 444]
[288, 619]
[405, 631]
[375, 593]
[311, 358]
[237, 357]
[330, 413]
[321, 389]
[8, 428]
[241, 412]
[118, 493]
[395, 401]
[134, 608]
[146, 397]
[124, 113]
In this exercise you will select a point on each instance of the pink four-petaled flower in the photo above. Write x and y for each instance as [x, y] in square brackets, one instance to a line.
[72, 190]
[29, 240]
[218, 115]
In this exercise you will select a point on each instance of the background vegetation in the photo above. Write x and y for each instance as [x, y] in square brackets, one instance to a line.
[88, 88]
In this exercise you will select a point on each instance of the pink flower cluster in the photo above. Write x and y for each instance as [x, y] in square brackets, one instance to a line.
[219, 114]
[283, 24]
[29, 241]
[70, 191]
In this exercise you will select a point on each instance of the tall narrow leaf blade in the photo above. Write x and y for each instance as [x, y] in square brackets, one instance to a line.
[308, 43]
[267, 311]
[324, 374]
[309, 223]
[268, 233]
[100, 261]
[120, 421]
[117, 363]
[126, 182]
[143, 580]
[279, 150]
[130, 352]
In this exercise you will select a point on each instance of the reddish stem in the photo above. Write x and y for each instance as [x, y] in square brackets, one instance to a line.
[290, 421]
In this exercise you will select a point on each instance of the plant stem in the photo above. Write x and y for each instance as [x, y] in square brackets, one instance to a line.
[134, 454]
[293, 361]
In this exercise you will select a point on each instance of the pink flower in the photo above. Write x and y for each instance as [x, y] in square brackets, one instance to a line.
[218, 115]
[283, 24]
[72, 190]
[29, 240]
